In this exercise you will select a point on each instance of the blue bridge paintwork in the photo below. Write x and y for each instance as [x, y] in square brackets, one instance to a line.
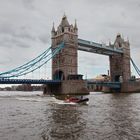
[28, 81]
[42, 81]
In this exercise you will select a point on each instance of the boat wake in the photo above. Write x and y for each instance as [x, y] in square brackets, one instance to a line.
[64, 103]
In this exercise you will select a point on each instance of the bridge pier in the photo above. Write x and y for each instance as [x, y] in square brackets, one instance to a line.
[120, 63]
[74, 87]
[130, 87]
[67, 87]
[51, 89]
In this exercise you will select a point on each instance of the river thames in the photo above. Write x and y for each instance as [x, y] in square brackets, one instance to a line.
[27, 116]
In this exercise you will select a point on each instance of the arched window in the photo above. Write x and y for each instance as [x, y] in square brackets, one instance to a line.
[62, 29]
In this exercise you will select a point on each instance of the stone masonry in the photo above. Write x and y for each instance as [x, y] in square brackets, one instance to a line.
[64, 64]
[120, 64]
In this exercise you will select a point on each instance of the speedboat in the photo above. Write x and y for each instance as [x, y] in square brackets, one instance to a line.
[77, 100]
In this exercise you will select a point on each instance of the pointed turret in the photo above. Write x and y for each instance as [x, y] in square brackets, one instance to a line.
[75, 27]
[119, 40]
[128, 41]
[109, 43]
[65, 28]
[64, 22]
[53, 30]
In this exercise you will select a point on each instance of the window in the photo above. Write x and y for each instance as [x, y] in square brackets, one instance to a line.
[62, 29]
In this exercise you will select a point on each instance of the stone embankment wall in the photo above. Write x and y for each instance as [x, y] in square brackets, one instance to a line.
[130, 86]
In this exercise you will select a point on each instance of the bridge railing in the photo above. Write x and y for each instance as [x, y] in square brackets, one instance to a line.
[104, 83]
[28, 81]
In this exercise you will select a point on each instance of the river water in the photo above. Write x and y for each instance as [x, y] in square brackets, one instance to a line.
[27, 116]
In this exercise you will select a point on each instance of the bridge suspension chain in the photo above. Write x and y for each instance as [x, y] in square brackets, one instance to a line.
[34, 64]
[53, 55]
[28, 63]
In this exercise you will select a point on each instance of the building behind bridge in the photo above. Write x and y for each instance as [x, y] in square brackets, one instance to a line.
[99, 78]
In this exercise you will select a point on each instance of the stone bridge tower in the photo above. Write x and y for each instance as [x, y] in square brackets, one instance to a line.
[65, 63]
[120, 63]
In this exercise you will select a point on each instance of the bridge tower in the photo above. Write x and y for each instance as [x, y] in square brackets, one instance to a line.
[65, 63]
[120, 63]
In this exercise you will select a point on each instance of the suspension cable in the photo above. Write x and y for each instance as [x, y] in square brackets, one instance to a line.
[25, 69]
[28, 63]
[135, 67]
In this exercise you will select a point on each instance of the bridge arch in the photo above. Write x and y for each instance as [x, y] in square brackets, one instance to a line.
[117, 78]
[58, 75]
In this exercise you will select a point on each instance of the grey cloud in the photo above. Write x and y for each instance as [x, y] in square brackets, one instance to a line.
[12, 41]
[3, 62]
[20, 37]
[25, 25]
[28, 4]
[6, 28]
[45, 38]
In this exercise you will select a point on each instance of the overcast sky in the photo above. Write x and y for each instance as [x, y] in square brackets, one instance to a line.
[25, 29]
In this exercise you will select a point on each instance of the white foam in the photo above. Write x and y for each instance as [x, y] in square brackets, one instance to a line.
[29, 99]
[65, 103]
[38, 99]
[19, 93]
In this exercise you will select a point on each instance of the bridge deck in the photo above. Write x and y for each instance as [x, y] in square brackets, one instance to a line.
[42, 81]
[93, 47]
[29, 81]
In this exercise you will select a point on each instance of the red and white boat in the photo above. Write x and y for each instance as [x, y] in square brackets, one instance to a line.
[77, 100]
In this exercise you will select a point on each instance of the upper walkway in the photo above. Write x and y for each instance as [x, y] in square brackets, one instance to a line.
[93, 47]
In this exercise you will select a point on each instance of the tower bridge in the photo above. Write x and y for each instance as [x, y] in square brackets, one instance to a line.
[65, 77]
[65, 64]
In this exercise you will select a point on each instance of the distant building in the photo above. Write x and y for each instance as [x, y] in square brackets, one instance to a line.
[102, 77]
[24, 87]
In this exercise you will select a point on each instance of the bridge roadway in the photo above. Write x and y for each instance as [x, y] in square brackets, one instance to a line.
[42, 81]
[93, 47]
[28, 81]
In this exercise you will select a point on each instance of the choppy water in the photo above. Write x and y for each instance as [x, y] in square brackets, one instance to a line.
[26, 116]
